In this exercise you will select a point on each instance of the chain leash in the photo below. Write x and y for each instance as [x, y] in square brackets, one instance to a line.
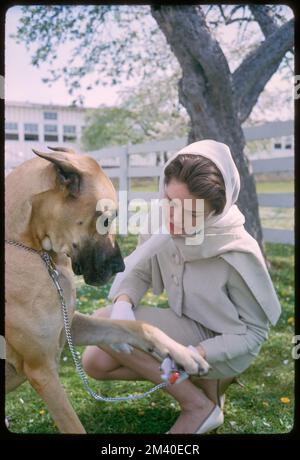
[55, 278]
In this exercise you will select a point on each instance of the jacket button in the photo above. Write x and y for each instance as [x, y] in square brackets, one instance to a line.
[176, 259]
[175, 279]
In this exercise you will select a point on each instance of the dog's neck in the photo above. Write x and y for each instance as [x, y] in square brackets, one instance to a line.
[21, 186]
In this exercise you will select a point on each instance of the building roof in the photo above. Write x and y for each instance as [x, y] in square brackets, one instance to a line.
[32, 105]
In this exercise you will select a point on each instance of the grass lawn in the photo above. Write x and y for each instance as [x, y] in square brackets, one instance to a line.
[275, 187]
[256, 408]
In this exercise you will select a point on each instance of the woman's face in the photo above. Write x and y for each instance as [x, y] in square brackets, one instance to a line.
[177, 192]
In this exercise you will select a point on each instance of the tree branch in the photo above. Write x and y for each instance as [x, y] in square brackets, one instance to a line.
[192, 43]
[257, 68]
[262, 15]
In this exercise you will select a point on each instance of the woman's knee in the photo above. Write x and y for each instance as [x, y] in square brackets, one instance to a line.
[98, 364]
[92, 358]
[103, 312]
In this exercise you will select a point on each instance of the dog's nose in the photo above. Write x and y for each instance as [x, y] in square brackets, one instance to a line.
[118, 266]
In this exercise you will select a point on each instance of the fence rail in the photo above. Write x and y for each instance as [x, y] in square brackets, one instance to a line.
[121, 163]
[124, 171]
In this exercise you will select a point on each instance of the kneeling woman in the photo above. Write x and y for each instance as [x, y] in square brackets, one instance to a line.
[221, 297]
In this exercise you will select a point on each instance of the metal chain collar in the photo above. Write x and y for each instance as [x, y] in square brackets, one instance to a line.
[55, 278]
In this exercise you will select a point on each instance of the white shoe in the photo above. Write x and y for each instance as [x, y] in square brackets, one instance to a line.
[222, 402]
[213, 421]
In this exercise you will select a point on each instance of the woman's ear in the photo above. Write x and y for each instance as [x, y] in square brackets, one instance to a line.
[208, 211]
[68, 174]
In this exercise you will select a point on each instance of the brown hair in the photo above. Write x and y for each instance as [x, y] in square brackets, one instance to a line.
[202, 178]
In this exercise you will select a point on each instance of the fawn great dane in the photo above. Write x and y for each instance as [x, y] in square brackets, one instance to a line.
[51, 205]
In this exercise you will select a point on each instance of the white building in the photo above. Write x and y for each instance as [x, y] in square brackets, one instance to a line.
[29, 125]
[283, 145]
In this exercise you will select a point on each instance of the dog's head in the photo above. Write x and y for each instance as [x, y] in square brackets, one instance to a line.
[76, 216]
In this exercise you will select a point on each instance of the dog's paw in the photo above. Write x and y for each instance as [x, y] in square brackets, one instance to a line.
[190, 360]
[203, 366]
[122, 347]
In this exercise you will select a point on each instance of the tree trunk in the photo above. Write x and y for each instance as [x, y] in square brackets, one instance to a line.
[230, 132]
[211, 94]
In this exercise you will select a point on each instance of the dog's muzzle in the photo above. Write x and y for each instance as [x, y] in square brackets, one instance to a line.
[97, 264]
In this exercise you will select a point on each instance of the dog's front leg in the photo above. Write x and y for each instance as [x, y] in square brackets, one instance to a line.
[88, 330]
[44, 379]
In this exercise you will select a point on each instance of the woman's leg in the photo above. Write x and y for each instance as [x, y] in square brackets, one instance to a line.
[194, 404]
[106, 364]
[213, 388]
[100, 365]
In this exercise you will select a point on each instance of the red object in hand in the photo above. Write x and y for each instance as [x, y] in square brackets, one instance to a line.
[174, 377]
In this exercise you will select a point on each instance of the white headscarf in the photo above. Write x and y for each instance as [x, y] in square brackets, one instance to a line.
[220, 155]
[224, 234]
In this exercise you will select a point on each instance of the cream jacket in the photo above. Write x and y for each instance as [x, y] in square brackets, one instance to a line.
[210, 291]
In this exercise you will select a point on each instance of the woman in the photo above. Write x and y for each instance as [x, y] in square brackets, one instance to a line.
[220, 294]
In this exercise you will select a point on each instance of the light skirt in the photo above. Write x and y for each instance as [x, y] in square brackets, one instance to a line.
[188, 332]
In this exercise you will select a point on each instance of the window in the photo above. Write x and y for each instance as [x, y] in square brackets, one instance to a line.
[277, 145]
[11, 131]
[9, 126]
[50, 128]
[69, 138]
[69, 129]
[50, 138]
[31, 132]
[288, 146]
[31, 137]
[12, 136]
[50, 133]
[69, 133]
[50, 115]
[31, 128]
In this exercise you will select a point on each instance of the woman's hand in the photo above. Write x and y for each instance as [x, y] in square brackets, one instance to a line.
[122, 309]
[201, 351]
[124, 297]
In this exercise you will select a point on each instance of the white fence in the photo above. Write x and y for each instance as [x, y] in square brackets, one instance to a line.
[123, 170]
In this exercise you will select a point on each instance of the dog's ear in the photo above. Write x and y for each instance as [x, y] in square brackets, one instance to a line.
[67, 171]
[61, 149]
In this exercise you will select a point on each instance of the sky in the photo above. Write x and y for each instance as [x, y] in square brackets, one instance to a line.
[23, 82]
